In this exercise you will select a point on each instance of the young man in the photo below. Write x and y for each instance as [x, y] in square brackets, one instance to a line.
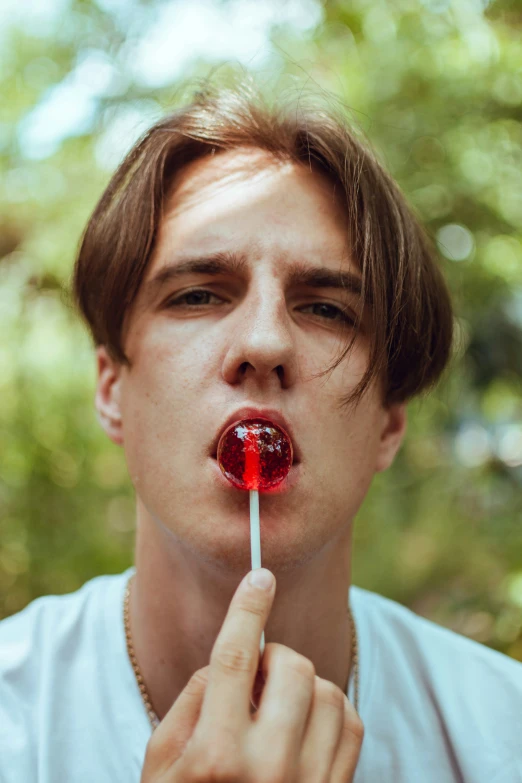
[247, 262]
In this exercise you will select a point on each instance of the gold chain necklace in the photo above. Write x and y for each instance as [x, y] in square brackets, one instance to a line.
[154, 720]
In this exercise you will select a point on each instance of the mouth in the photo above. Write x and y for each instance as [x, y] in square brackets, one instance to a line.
[286, 486]
[269, 415]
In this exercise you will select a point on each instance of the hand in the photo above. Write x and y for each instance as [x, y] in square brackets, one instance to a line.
[304, 731]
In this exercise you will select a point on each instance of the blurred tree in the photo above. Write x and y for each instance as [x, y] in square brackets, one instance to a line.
[436, 85]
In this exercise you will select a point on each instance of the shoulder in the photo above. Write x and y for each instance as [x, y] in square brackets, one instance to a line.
[52, 655]
[429, 646]
[464, 690]
[468, 696]
[433, 700]
[48, 633]
[47, 619]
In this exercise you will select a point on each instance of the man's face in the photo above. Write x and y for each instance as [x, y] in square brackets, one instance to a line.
[240, 320]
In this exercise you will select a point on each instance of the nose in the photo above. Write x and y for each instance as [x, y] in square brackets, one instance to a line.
[261, 347]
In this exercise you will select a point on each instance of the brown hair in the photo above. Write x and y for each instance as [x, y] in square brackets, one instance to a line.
[411, 307]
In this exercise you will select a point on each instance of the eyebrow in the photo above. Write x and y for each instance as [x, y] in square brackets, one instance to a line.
[215, 264]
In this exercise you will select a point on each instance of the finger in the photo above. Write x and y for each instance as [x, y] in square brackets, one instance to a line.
[235, 655]
[349, 748]
[171, 737]
[285, 703]
[259, 684]
[322, 733]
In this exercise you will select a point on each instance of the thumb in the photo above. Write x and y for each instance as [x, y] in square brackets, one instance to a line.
[170, 738]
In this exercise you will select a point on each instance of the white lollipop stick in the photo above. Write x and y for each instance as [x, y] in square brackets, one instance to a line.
[255, 544]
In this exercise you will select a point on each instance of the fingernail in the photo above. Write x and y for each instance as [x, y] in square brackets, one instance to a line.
[262, 578]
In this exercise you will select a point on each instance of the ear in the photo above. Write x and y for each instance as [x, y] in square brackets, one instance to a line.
[108, 393]
[392, 435]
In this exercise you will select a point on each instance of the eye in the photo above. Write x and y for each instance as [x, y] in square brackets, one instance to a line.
[193, 298]
[200, 297]
[329, 312]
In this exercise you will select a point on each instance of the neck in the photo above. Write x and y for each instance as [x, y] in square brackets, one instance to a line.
[178, 604]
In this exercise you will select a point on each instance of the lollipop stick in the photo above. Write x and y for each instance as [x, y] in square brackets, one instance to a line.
[255, 544]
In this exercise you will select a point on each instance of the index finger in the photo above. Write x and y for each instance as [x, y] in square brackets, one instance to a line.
[234, 657]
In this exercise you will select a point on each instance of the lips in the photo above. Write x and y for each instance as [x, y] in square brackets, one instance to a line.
[276, 417]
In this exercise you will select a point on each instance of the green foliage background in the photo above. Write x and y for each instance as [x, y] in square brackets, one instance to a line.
[437, 86]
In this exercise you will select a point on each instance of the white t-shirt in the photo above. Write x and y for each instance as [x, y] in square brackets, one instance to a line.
[437, 707]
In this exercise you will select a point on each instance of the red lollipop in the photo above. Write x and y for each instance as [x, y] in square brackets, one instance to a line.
[255, 454]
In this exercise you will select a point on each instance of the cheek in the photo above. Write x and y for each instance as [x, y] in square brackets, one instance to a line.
[171, 360]
[347, 438]
[147, 387]
[161, 400]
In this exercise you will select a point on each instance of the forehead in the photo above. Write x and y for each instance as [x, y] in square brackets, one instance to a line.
[248, 169]
[243, 213]
[246, 200]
